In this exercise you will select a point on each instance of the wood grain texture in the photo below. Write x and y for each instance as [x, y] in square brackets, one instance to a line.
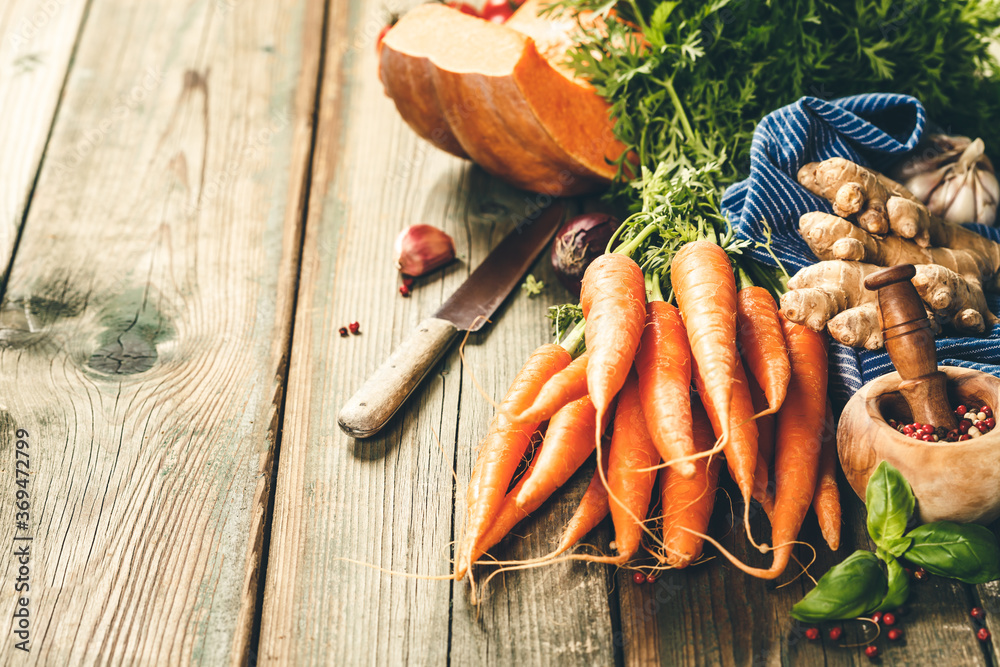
[712, 614]
[36, 43]
[386, 500]
[389, 501]
[146, 326]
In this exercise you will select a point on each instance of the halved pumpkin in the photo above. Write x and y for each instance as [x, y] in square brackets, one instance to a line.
[484, 91]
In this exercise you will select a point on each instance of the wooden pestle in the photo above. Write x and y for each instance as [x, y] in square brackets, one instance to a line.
[910, 343]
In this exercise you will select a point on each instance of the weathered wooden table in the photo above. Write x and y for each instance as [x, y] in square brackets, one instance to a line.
[194, 196]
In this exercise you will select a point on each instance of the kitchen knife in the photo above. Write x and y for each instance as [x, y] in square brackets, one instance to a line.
[468, 309]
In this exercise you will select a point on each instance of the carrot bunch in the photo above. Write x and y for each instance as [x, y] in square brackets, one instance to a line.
[719, 375]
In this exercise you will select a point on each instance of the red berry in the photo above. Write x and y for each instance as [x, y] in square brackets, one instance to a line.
[964, 426]
[343, 331]
[893, 423]
[927, 429]
[963, 438]
[872, 652]
[920, 574]
[986, 410]
[497, 11]
[888, 618]
[354, 327]
[895, 634]
[990, 422]
[639, 578]
[961, 410]
[983, 635]
[908, 430]
[926, 437]
[877, 617]
[812, 634]
[404, 290]
[978, 613]
[408, 281]
[836, 633]
[650, 579]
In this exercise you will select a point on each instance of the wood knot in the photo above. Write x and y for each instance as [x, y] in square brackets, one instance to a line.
[128, 355]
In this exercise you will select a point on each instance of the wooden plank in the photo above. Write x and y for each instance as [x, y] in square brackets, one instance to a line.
[712, 614]
[389, 501]
[384, 501]
[36, 43]
[557, 614]
[146, 328]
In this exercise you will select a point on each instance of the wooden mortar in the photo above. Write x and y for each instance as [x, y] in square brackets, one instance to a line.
[953, 481]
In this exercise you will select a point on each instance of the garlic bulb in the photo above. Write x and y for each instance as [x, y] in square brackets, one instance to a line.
[954, 178]
[422, 248]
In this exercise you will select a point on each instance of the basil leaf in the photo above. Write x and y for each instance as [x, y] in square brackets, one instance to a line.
[897, 546]
[967, 552]
[890, 504]
[848, 590]
[899, 586]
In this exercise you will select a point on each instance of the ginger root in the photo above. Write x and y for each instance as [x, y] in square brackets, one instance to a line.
[818, 292]
[853, 190]
[856, 190]
[831, 295]
[831, 237]
[858, 327]
[880, 223]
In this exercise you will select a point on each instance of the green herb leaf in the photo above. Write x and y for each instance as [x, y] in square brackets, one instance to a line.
[729, 63]
[564, 318]
[532, 286]
[855, 587]
[890, 504]
[899, 586]
[967, 552]
[897, 546]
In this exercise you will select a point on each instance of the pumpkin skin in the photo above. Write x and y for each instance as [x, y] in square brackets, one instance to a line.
[485, 92]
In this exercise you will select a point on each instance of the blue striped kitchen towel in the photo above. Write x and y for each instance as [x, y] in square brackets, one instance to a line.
[872, 130]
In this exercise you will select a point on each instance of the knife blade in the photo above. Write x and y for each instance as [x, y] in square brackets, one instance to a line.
[468, 309]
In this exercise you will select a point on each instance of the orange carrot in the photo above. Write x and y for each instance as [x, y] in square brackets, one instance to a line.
[591, 511]
[705, 288]
[797, 446]
[632, 450]
[741, 450]
[763, 344]
[563, 388]
[568, 442]
[689, 502]
[798, 438]
[663, 362]
[762, 492]
[508, 515]
[826, 502]
[503, 448]
[613, 296]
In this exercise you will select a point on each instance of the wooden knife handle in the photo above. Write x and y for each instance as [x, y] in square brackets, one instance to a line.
[391, 384]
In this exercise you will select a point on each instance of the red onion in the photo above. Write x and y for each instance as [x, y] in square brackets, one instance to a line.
[578, 243]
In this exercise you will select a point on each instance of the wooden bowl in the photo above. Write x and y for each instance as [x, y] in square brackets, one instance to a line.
[953, 481]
